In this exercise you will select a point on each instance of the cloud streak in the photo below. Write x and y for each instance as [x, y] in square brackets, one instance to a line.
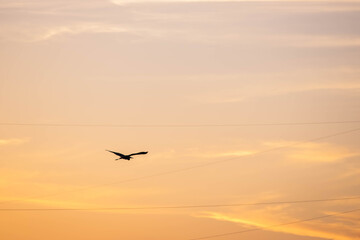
[122, 2]
[317, 41]
[12, 141]
[344, 230]
[316, 152]
[80, 29]
[38, 34]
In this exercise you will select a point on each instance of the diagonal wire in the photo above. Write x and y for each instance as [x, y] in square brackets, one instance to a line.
[276, 225]
[192, 167]
[180, 206]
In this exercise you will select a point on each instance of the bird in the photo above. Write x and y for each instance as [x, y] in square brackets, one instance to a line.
[126, 157]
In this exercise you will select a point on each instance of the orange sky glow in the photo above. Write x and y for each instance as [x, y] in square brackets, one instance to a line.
[237, 102]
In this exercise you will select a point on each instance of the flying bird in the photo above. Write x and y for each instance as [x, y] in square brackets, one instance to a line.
[126, 157]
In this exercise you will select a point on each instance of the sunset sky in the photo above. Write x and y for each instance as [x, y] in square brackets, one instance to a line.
[204, 86]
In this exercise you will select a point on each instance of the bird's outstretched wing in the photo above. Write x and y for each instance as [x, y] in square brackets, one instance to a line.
[116, 153]
[139, 153]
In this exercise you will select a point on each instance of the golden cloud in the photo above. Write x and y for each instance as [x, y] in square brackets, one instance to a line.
[264, 219]
[315, 152]
[12, 141]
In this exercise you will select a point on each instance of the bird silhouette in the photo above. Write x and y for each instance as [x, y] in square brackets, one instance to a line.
[126, 157]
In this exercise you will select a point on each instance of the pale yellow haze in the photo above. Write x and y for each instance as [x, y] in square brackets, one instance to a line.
[235, 101]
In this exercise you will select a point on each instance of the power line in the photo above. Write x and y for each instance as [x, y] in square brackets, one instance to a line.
[276, 225]
[181, 206]
[175, 125]
[193, 167]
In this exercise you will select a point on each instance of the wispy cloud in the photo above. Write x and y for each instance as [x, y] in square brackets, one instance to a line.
[121, 2]
[15, 176]
[13, 141]
[195, 26]
[245, 87]
[81, 28]
[315, 152]
[30, 188]
[273, 39]
[36, 34]
[264, 218]
[349, 174]
[40, 4]
[238, 153]
[316, 41]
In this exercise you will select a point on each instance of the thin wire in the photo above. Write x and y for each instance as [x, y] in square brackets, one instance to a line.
[276, 225]
[193, 167]
[181, 206]
[174, 125]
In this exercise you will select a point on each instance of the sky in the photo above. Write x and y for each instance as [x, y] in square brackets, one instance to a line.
[203, 86]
